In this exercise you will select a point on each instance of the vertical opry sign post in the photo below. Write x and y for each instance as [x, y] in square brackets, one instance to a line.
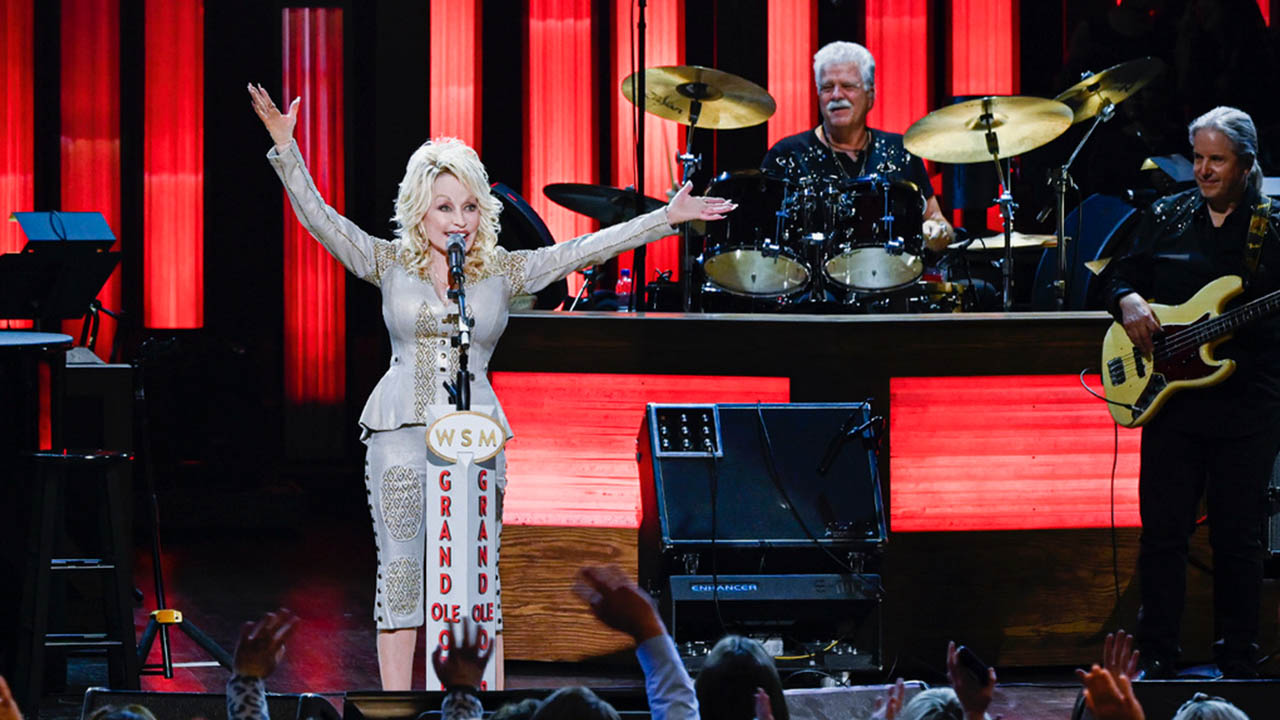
[462, 554]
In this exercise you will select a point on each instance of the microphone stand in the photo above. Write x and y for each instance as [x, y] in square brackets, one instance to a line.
[1005, 201]
[460, 389]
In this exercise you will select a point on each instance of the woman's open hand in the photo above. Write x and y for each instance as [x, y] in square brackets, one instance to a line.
[280, 125]
[684, 207]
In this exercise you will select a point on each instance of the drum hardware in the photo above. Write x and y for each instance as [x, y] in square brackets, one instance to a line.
[986, 129]
[1095, 96]
[697, 96]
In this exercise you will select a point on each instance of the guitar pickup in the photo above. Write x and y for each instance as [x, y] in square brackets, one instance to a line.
[1139, 363]
[1115, 368]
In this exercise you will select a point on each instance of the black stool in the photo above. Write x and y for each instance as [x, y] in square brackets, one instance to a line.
[54, 477]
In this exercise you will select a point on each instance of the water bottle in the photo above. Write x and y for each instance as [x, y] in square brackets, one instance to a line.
[623, 288]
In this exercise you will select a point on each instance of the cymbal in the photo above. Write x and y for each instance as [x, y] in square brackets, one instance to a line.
[1111, 86]
[607, 204]
[957, 133]
[1019, 241]
[728, 101]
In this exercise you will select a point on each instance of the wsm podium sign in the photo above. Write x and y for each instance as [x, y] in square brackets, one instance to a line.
[462, 528]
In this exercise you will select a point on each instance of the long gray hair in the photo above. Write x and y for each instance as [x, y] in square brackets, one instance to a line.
[1238, 127]
[1203, 707]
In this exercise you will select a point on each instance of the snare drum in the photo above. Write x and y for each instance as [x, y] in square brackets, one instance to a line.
[878, 238]
[751, 252]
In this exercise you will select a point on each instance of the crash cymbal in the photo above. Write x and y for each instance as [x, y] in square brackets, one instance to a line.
[728, 101]
[957, 133]
[1019, 241]
[1087, 97]
[607, 204]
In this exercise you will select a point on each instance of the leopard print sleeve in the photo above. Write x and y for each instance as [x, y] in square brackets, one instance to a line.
[246, 698]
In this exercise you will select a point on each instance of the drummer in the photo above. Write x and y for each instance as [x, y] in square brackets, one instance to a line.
[843, 145]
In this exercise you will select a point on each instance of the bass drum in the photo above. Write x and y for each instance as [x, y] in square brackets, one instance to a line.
[744, 254]
[877, 241]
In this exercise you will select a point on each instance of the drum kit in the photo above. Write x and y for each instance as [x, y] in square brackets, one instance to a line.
[808, 242]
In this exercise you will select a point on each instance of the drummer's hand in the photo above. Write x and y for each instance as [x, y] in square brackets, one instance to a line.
[280, 125]
[684, 207]
[937, 235]
[1139, 321]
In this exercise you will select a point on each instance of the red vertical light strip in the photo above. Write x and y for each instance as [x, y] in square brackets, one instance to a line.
[984, 47]
[560, 123]
[985, 55]
[1265, 7]
[793, 39]
[664, 45]
[314, 283]
[173, 166]
[90, 157]
[44, 393]
[455, 70]
[17, 125]
[898, 38]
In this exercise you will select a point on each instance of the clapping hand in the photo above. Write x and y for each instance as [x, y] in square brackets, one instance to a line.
[280, 125]
[1118, 655]
[888, 707]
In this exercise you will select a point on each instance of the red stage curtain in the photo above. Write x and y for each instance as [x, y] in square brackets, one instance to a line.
[314, 283]
[664, 45]
[173, 165]
[561, 115]
[574, 450]
[455, 70]
[17, 129]
[90, 97]
[1006, 453]
[793, 39]
[898, 37]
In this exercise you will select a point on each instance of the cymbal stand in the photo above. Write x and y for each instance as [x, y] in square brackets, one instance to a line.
[689, 164]
[1062, 182]
[1005, 201]
[637, 300]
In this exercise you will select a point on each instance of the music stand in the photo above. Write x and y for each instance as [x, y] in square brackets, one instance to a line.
[60, 270]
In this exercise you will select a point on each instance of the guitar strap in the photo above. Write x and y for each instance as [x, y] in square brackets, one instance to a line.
[1257, 233]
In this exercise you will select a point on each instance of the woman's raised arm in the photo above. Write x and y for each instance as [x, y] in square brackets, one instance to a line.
[280, 125]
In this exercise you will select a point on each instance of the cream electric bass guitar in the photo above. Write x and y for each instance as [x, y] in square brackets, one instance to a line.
[1138, 385]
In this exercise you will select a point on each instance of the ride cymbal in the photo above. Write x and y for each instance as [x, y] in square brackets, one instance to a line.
[958, 133]
[1088, 97]
[727, 101]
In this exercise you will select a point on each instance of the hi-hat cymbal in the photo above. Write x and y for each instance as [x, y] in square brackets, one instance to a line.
[728, 101]
[607, 204]
[1087, 97]
[957, 133]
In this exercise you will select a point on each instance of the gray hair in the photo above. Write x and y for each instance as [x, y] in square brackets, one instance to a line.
[845, 52]
[1238, 127]
[933, 704]
[1204, 707]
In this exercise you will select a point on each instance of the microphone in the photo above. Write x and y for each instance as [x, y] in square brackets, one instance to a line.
[457, 250]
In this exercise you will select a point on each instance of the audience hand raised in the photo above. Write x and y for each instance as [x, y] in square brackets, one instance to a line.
[261, 644]
[974, 696]
[464, 666]
[618, 602]
[1108, 696]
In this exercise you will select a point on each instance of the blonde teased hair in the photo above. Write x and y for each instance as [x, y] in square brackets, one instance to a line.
[433, 158]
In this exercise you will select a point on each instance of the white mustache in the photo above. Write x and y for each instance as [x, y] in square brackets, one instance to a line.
[839, 104]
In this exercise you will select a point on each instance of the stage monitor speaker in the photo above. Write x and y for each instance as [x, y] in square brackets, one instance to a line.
[280, 706]
[1162, 698]
[758, 477]
[1096, 229]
